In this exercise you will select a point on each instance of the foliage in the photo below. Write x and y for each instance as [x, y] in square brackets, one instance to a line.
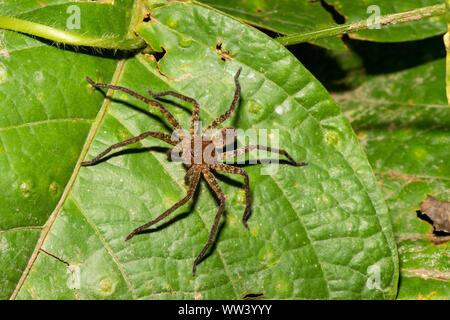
[322, 231]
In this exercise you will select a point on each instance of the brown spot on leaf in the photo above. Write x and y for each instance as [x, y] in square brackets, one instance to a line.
[426, 297]
[438, 213]
[408, 178]
[427, 274]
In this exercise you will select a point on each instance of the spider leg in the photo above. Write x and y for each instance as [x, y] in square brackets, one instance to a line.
[228, 113]
[188, 175]
[224, 137]
[190, 193]
[248, 148]
[195, 110]
[178, 148]
[234, 170]
[173, 122]
[159, 135]
[211, 180]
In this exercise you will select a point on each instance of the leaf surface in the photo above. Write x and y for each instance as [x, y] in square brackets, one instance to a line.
[320, 231]
[405, 31]
[46, 110]
[284, 17]
[402, 120]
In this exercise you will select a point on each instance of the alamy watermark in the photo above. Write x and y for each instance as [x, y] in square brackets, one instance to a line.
[373, 22]
[73, 22]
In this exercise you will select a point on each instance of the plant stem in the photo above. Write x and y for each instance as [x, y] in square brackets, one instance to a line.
[406, 16]
[68, 37]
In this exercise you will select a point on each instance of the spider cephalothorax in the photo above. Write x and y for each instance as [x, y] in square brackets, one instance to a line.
[199, 151]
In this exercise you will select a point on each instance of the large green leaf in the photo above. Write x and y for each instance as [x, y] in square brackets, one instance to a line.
[405, 31]
[403, 122]
[282, 16]
[320, 231]
[47, 110]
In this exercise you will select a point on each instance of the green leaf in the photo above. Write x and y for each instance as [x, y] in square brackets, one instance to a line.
[320, 231]
[47, 110]
[406, 31]
[282, 16]
[402, 120]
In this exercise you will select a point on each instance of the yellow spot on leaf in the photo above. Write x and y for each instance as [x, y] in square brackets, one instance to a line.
[25, 188]
[253, 107]
[185, 41]
[332, 138]
[107, 287]
[172, 23]
[419, 153]
[53, 188]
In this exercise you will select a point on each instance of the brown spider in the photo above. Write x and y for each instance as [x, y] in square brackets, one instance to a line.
[201, 152]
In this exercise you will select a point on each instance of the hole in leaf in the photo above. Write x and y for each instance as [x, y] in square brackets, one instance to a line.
[159, 55]
[147, 17]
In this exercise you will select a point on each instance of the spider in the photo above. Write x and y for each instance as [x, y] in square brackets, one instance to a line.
[193, 148]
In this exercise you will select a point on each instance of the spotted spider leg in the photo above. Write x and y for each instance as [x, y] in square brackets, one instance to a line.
[234, 170]
[251, 147]
[195, 111]
[227, 113]
[191, 190]
[212, 182]
[159, 135]
[166, 113]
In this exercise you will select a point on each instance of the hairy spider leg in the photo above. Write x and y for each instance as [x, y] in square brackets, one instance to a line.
[166, 113]
[190, 193]
[222, 137]
[228, 113]
[195, 110]
[159, 135]
[248, 148]
[211, 180]
[189, 174]
[234, 170]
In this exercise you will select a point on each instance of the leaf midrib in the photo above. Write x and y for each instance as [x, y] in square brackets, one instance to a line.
[48, 225]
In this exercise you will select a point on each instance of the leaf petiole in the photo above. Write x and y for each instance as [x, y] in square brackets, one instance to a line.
[68, 37]
[411, 15]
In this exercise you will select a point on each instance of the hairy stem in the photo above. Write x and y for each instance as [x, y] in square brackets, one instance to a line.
[68, 37]
[406, 16]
